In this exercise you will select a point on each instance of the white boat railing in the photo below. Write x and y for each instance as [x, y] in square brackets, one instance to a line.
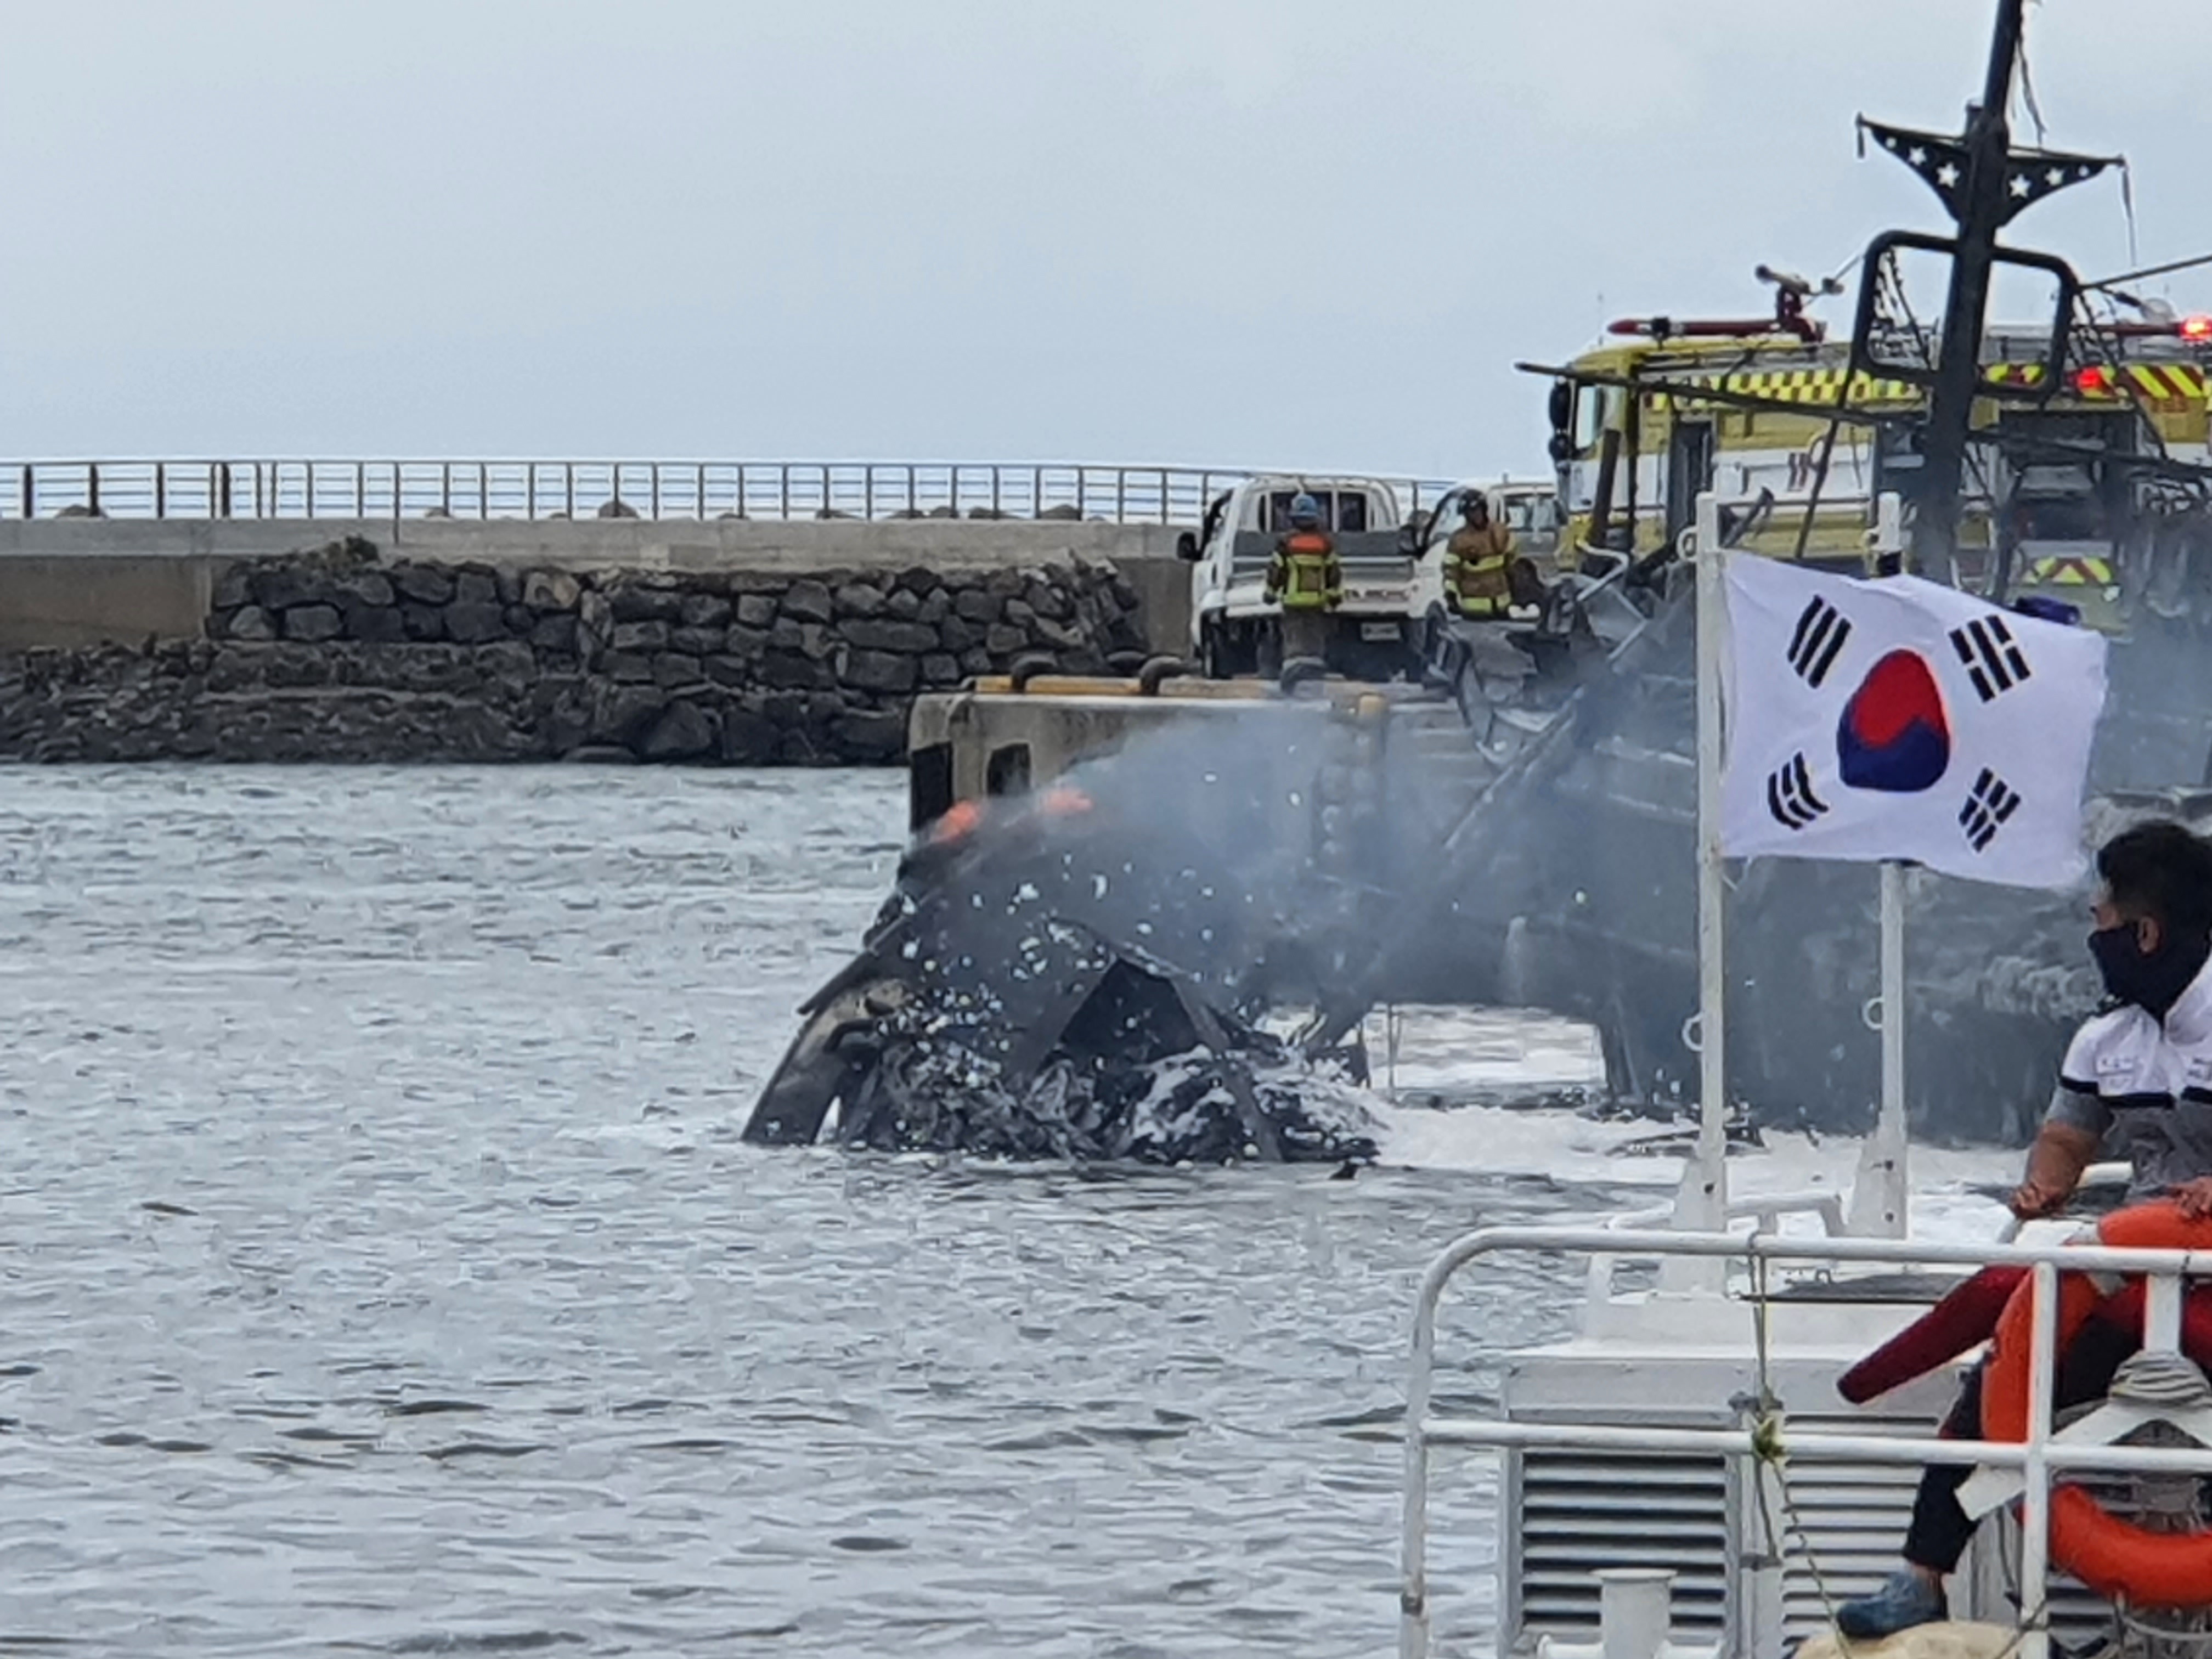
[1765, 1211]
[2038, 1457]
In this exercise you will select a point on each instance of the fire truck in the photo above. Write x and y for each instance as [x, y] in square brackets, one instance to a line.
[2069, 494]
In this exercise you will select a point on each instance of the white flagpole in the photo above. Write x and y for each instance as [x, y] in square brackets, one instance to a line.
[1880, 1192]
[1890, 1131]
[1703, 1204]
[1883, 1184]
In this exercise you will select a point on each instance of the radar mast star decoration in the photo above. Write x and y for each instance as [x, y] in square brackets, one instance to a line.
[1941, 164]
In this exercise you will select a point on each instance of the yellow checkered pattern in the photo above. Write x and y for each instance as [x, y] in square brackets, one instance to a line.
[2157, 382]
[2170, 383]
[2070, 572]
[1810, 386]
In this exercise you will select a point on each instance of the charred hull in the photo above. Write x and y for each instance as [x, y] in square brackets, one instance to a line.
[1247, 1102]
[913, 1080]
[989, 1014]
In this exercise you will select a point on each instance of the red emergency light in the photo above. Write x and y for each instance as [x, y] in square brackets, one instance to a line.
[2196, 328]
[2094, 381]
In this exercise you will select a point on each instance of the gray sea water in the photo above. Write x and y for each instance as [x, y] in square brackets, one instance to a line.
[381, 1271]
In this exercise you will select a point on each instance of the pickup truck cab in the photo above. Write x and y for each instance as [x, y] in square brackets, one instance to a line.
[1375, 635]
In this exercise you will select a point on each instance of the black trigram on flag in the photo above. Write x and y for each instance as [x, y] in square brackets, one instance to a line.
[1790, 794]
[1821, 631]
[1991, 658]
[1991, 803]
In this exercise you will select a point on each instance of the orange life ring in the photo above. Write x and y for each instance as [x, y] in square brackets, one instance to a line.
[2110, 1556]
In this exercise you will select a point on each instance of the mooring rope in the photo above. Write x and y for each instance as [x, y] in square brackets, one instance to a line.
[1770, 1451]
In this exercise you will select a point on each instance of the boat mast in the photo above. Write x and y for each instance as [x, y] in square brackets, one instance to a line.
[1981, 207]
[1983, 183]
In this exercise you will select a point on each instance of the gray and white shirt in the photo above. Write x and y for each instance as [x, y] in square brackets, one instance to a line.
[2144, 1087]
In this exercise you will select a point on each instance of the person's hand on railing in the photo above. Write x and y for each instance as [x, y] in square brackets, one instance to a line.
[2194, 1199]
[2034, 1201]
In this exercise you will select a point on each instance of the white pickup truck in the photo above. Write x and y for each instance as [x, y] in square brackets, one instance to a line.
[1376, 632]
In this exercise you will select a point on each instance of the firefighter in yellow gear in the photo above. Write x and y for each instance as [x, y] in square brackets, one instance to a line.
[1307, 578]
[1478, 563]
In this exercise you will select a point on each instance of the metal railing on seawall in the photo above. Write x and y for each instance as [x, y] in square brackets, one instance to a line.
[645, 490]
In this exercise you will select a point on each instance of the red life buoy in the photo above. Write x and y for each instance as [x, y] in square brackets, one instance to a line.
[2110, 1556]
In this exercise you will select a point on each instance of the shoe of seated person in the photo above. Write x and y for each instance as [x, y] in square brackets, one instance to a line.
[1909, 1598]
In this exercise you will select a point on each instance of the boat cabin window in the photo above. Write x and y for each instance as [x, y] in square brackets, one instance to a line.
[1896, 459]
[2057, 504]
[1007, 771]
[2055, 500]
[929, 784]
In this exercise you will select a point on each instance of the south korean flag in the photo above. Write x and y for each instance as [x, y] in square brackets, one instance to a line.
[1901, 720]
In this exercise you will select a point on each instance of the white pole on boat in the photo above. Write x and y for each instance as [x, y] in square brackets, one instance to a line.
[1890, 1135]
[1882, 1191]
[2035, 1502]
[1883, 1187]
[1704, 1206]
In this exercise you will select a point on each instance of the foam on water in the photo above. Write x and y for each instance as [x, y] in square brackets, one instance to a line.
[1453, 1066]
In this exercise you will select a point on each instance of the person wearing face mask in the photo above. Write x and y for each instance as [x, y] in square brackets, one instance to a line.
[2139, 1074]
[2138, 1078]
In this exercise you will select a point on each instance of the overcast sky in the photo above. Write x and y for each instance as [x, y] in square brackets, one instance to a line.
[1301, 232]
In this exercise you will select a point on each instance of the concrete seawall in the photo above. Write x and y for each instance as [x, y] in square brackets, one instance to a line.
[723, 642]
[88, 582]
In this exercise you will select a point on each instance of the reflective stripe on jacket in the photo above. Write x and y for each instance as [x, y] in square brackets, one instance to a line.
[1305, 573]
[1475, 569]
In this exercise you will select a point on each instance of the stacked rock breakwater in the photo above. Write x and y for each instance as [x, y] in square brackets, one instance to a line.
[340, 654]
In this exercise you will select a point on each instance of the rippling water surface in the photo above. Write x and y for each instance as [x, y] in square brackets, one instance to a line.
[381, 1271]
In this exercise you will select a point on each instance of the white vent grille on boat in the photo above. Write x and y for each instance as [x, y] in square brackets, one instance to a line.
[1580, 1511]
[1571, 1513]
[1853, 1516]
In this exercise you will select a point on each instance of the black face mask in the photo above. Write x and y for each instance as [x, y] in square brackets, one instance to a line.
[2151, 980]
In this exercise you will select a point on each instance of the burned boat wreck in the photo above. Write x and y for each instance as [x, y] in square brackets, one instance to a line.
[1040, 986]
[1143, 1072]
[1148, 954]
